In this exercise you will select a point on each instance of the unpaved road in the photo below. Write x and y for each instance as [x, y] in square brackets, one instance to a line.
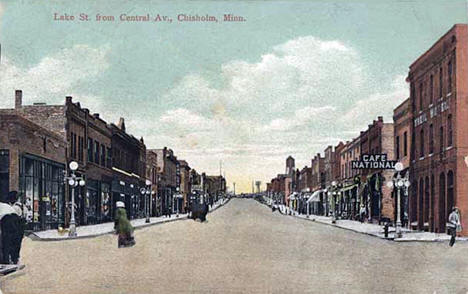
[243, 248]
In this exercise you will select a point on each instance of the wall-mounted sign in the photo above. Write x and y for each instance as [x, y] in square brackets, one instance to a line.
[373, 161]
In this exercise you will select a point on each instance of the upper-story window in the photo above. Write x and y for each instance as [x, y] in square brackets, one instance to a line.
[109, 158]
[413, 97]
[449, 131]
[80, 148]
[96, 152]
[431, 89]
[441, 139]
[73, 145]
[90, 149]
[441, 83]
[405, 143]
[397, 143]
[421, 141]
[449, 73]
[103, 155]
[420, 96]
[431, 139]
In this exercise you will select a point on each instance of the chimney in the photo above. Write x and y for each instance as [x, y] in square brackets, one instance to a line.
[68, 99]
[121, 124]
[380, 118]
[96, 115]
[18, 99]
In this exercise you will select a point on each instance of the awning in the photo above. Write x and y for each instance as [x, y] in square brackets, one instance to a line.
[348, 188]
[315, 197]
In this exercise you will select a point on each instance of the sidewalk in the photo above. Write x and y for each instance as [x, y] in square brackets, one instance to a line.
[378, 231]
[108, 228]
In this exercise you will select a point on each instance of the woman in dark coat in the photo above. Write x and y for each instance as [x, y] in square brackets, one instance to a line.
[123, 227]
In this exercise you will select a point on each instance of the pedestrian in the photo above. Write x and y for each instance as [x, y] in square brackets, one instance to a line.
[12, 229]
[362, 213]
[123, 228]
[454, 225]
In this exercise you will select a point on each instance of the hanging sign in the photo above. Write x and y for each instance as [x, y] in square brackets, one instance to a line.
[373, 161]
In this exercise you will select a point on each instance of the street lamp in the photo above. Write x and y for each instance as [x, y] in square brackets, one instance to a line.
[147, 191]
[74, 182]
[399, 183]
[334, 193]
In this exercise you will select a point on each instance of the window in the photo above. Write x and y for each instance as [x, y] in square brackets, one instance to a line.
[397, 143]
[109, 158]
[90, 150]
[413, 97]
[421, 141]
[4, 172]
[80, 148]
[405, 144]
[441, 139]
[440, 82]
[449, 72]
[96, 152]
[413, 147]
[431, 90]
[420, 96]
[449, 131]
[73, 145]
[103, 155]
[431, 139]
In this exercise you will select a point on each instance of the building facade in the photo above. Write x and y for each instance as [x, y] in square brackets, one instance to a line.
[438, 95]
[402, 135]
[32, 162]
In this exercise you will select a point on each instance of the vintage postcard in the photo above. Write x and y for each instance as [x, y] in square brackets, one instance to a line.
[198, 146]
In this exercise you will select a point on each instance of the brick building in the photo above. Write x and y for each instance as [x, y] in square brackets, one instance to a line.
[349, 200]
[152, 175]
[32, 162]
[438, 95]
[375, 194]
[185, 184]
[168, 181]
[402, 135]
[305, 179]
[89, 143]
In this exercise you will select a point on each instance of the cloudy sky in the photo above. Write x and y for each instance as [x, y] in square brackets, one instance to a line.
[295, 77]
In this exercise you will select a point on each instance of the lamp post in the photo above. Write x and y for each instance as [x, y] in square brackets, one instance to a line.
[398, 183]
[333, 194]
[146, 191]
[74, 182]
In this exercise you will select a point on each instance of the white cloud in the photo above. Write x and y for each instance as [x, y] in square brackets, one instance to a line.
[295, 100]
[54, 77]
[302, 96]
[379, 103]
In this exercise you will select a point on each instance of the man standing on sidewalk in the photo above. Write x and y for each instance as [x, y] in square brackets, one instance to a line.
[454, 225]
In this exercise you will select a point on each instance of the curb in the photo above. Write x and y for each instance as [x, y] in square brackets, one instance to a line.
[35, 237]
[370, 234]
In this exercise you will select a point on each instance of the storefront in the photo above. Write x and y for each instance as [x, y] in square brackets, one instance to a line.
[42, 192]
[91, 201]
[106, 203]
[130, 194]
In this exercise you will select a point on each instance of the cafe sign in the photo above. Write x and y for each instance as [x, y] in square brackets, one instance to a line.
[373, 161]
